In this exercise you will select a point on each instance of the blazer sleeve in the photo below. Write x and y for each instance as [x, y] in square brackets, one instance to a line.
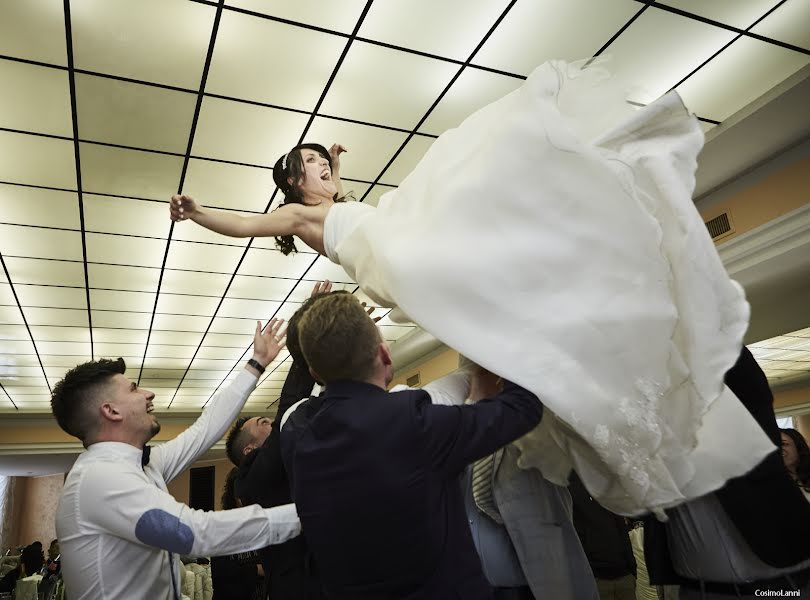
[455, 436]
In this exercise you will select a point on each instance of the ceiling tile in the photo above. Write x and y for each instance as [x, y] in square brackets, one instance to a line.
[340, 16]
[370, 148]
[122, 215]
[10, 315]
[141, 39]
[6, 295]
[202, 257]
[133, 173]
[24, 346]
[56, 316]
[473, 90]
[244, 132]
[35, 242]
[261, 310]
[534, 32]
[788, 23]
[214, 365]
[252, 57]
[180, 322]
[226, 186]
[13, 332]
[449, 28]
[35, 99]
[325, 269]
[169, 351]
[116, 319]
[376, 193]
[115, 350]
[128, 301]
[45, 208]
[63, 361]
[22, 21]
[233, 325]
[175, 338]
[52, 297]
[384, 86]
[229, 340]
[10, 361]
[188, 305]
[119, 336]
[187, 282]
[37, 161]
[45, 272]
[60, 334]
[114, 277]
[216, 352]
[166, 363]
[407, 160]
[260, 288]
[119, 112]
[125, 250]
[650, 56]
[272, 263]
[731, 12]
[69, 348]
[739, 75]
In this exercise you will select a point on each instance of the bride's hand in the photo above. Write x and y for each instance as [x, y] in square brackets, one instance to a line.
[182, 208]
[334, 156]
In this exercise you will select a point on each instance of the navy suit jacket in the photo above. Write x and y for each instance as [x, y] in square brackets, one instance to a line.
[375, 479]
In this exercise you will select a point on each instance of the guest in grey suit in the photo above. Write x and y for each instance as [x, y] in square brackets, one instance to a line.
[522, 524]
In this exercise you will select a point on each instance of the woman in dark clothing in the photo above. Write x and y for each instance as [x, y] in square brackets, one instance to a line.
[236, 576]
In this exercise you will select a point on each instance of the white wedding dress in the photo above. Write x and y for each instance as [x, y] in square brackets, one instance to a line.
[552, 239]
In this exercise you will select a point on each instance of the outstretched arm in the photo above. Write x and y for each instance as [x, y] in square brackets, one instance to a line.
[287, 220]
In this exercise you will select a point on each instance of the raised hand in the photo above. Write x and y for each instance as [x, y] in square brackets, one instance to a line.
[268, 343]
[334, 156]
[370, 311]
[321, 287]
[182, 207]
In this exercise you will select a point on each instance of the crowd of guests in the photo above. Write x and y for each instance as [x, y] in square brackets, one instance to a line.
[400, 493]
[32, 561]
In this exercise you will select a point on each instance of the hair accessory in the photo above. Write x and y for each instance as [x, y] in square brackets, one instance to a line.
[284, 161]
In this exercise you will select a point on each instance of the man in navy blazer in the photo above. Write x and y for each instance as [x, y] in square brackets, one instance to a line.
[375, 475]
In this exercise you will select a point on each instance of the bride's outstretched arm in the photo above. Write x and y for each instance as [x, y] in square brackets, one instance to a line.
[287, 220]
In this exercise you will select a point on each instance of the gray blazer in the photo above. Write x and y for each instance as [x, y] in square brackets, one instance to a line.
[537, 516]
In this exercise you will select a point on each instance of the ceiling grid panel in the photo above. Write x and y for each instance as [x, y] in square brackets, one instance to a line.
[200, 95]
[739, 35]
[441, 95]
[77, 154]
[301, 138]
[25, 322]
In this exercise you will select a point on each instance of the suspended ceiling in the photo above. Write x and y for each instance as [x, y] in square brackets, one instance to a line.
[107, 107]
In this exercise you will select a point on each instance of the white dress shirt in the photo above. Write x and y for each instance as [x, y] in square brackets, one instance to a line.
[117, 523]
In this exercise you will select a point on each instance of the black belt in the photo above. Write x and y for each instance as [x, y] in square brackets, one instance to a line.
[788, 581]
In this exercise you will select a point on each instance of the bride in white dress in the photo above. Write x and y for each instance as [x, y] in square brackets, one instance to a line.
[552, 239]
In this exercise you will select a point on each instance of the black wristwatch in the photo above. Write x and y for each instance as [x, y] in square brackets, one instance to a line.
[255, 364]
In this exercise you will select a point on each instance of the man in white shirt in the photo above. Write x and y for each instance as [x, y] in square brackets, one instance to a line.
[119, 528]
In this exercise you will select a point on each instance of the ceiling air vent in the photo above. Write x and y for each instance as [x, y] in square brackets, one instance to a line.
[413, 381]
[720, 226]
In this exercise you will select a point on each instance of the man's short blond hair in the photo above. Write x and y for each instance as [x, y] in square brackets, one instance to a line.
[338, 339]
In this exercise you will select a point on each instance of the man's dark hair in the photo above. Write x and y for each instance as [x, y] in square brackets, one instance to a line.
[236, 441]
[293, 344]
[75, 397]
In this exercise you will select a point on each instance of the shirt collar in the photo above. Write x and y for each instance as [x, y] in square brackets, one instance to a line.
[117, 449]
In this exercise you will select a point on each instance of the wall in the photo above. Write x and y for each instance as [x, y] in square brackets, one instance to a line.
[433, 368]
[37, 499]
[179, 487]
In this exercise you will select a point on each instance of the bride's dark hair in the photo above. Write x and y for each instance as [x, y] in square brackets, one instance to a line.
[291, 166]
